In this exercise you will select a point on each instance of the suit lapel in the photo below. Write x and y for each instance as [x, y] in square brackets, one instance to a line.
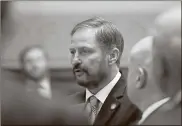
[112, 103]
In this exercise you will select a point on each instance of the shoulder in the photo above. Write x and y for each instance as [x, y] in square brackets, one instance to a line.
[165, 116]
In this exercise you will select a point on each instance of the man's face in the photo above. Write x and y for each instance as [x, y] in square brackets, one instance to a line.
[35, 63]
[87, 58]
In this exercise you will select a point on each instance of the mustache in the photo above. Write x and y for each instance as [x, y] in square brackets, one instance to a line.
[79, 68]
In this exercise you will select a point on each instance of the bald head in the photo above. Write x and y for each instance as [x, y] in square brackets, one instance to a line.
[167, 51]
[140, 86]
[141, 51]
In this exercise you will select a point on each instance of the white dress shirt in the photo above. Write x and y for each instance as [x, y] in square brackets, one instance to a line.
[152, 108]
[103, 93]
[43, 88]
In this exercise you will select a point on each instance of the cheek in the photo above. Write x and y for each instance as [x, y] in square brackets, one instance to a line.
[42, 65]
[27, 66]
[96, 63]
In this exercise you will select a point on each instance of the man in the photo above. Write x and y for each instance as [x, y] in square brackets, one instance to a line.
[96, 48]
[31, 103]
[168, 36]
[154, 80]
[167, 67]
[142, 88]
[35, 68]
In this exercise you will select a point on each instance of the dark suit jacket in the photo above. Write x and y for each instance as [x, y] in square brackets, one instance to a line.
[21, 108]
[164, 117]
[125, 113]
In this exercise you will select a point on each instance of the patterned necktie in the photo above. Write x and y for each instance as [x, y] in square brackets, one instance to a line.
[92, 108]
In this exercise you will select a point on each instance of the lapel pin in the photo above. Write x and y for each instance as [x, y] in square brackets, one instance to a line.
[113, 106]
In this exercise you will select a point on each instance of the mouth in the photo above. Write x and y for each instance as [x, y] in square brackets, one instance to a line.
[78, 72]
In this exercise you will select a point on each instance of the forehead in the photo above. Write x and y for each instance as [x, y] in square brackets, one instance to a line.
[84, 37]
[34, 53]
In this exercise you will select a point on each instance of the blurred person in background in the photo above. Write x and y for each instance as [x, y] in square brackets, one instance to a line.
[96, 48]
[34, 64]
[31, 102]
[154, 79]
[167, 67]
[142, 89]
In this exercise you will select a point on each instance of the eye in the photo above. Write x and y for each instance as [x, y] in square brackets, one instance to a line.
[85, 51]
[72, 52]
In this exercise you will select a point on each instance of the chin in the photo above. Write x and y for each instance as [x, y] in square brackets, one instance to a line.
[82, 83]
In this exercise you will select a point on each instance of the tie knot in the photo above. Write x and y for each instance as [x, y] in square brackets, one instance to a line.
[93, 100]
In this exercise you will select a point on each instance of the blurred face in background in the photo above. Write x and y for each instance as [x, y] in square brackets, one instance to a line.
[87, 58]
[35, 63]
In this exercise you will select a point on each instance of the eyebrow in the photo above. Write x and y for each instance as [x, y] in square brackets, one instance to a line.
[71, 48]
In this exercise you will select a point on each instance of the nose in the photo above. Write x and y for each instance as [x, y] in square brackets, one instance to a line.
[34, 67]
[76, 60]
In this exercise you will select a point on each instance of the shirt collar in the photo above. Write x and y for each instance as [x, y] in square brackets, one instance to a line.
[45, 84]
[152, 108]
[44, 87]
[104, 92]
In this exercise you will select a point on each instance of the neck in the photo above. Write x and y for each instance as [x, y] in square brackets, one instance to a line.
[149, 101]
[110, 76]
[45, 78]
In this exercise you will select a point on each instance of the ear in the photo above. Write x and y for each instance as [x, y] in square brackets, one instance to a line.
[113, 55]
[141, 78]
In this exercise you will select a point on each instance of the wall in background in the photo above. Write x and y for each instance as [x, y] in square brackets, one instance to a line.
[50, 24]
